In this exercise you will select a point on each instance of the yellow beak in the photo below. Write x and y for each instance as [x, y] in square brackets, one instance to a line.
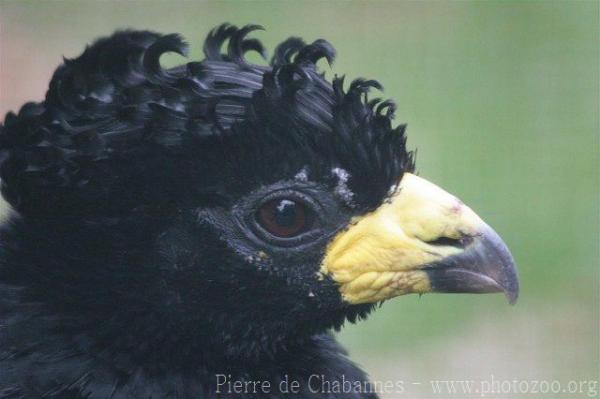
[421, 240]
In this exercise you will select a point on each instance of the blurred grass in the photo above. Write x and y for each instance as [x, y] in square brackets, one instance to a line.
[501, 99]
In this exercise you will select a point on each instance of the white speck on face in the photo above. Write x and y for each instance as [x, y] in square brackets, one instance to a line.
[342, 190]
[6, 211]
[302, 175]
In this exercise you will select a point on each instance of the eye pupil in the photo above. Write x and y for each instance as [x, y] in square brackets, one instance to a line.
[284, 218]
[286, 213]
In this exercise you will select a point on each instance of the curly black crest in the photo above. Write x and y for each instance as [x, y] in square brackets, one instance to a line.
[115, 121]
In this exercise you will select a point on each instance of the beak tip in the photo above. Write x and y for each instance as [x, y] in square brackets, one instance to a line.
[512, 297]
[486, 266]
[511, 291]
[501, 266]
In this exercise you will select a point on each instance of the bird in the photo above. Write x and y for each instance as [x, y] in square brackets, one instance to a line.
[201, 231]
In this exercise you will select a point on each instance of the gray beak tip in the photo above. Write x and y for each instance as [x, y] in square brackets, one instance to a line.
[485, 266]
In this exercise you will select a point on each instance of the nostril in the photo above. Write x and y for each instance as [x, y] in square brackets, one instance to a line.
[451, 242]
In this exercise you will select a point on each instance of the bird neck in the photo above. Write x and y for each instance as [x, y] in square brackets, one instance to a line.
[88, 285]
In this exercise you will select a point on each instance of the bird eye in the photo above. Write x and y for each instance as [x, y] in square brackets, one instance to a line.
[284, 217]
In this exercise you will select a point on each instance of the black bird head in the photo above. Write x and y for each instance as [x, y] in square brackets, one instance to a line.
[222, 204]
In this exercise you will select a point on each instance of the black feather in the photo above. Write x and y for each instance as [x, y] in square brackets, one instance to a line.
[109, 285]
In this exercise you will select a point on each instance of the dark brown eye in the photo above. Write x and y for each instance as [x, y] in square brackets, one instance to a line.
[284, 218]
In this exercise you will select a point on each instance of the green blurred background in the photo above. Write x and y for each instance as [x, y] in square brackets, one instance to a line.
[502, 101]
